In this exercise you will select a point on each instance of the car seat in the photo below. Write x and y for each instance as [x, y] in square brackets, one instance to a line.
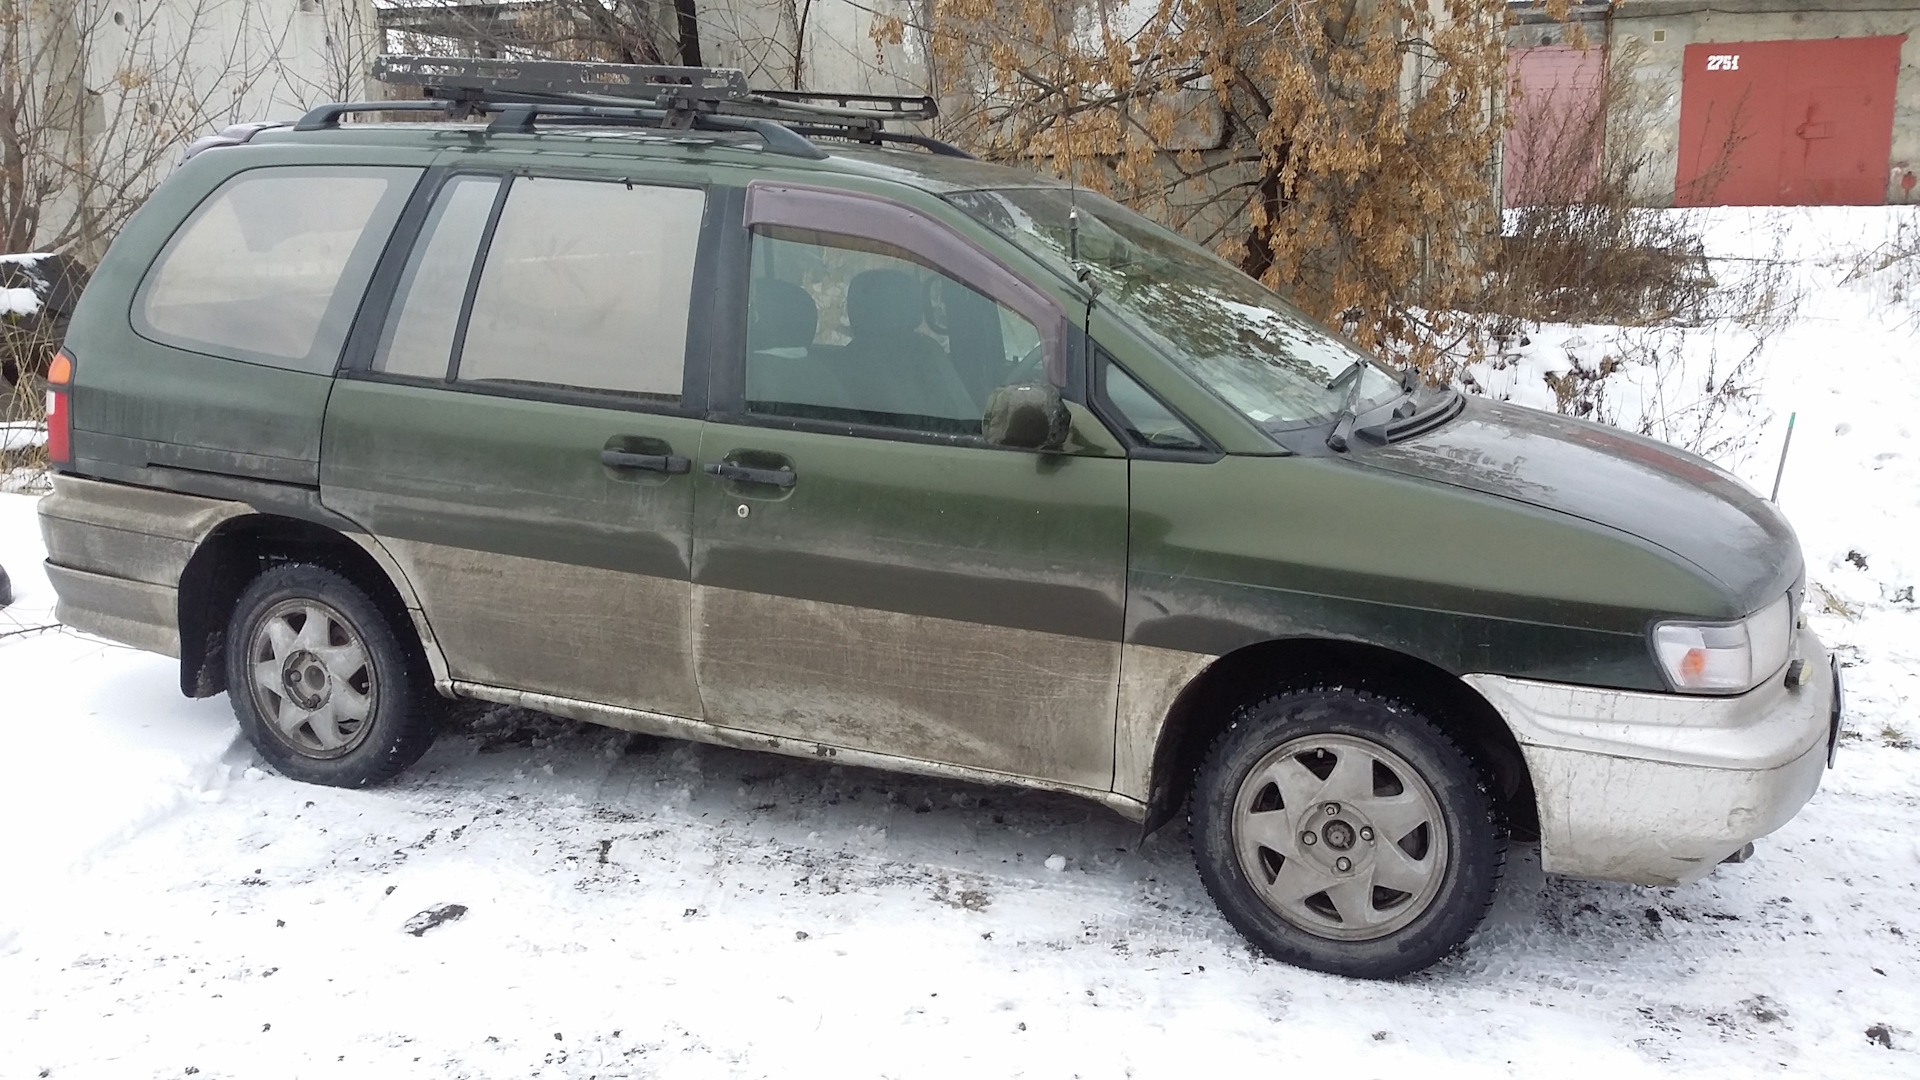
[783, 368]
[888, 365]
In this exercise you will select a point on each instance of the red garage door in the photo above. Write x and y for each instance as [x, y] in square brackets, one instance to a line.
[1787, 123]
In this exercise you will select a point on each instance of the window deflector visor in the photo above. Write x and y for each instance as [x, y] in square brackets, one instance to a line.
[872, 217]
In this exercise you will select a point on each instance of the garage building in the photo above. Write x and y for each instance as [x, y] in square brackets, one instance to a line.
[1729, 102]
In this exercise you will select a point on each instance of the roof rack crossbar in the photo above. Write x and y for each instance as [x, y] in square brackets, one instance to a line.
[327, 116]
[925, 142]
[662, 86]
[779, 139]
[865, 106]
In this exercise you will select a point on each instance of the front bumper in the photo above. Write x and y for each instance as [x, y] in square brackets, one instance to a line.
[1657, 789]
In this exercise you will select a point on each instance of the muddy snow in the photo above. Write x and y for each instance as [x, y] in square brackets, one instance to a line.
[542, 898]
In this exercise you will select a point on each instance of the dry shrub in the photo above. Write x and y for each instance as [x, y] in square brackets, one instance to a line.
[1603, 261]
[27, 344]
[23, 410]
[1892, 268]
[1334, 149]
[1577, 248]
[1679, 334]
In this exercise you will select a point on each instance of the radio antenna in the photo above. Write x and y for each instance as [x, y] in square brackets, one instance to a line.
[1785, 445]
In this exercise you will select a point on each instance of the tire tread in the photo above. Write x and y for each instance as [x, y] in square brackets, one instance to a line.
[405, 722]
[1209, 778]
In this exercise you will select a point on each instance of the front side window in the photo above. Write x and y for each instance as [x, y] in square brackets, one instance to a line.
[859, 331]
[272, 266]
[1258, 352]
[586, 285]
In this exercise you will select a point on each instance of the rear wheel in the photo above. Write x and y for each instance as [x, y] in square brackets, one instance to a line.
[320, 682]
[1343, 832]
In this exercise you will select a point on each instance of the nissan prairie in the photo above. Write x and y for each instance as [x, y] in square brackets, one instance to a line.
[744, 419]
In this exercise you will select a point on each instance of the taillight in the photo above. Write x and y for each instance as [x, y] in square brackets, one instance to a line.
[59, 410]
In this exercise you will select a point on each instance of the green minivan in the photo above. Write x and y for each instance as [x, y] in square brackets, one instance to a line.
[736, 417]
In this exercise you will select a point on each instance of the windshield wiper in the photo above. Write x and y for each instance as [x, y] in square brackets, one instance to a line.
[1343, 421]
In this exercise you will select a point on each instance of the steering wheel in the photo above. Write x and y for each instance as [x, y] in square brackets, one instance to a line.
[1029, 367]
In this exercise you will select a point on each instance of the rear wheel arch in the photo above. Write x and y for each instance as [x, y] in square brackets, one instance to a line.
[242, 548]
[1207, 704]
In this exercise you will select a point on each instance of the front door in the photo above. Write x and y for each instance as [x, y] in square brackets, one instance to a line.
[869, 572]
[519, 435]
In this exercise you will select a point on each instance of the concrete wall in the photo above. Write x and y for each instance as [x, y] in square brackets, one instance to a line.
[822, 45]
[155, 74]
[1686, 22]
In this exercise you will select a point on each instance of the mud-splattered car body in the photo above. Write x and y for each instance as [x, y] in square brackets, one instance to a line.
[717, 557]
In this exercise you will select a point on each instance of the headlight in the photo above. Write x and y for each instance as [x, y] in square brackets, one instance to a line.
[1725, 659]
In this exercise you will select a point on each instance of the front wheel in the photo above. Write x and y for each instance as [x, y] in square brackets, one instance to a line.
[320, 683]
[1344, 832]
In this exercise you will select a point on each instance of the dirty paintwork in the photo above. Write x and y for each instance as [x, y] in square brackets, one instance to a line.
[1636, 485]
[1150, 681]
[416, 612]
[1654, 823]
[152, 404]
[958, 603]
[1002, 699]
[1656, 789]
[115, 554]
[555, 627]
[1245, 550]
[132, 532]
[536, 565]
[933, 604]
[676, 727]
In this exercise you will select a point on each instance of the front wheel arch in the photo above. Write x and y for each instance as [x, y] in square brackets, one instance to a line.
[1207, 704]
[1341, 831]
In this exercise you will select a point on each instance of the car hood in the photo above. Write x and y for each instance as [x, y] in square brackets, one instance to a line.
[1640, 486]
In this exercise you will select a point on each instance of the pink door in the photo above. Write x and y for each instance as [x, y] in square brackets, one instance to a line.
[1553, 149]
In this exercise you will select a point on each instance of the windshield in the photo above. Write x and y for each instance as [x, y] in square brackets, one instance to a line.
[1257, 351]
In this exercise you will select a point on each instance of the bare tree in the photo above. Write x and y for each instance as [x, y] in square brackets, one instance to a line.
[618, 31]
[97, 99]
[323, 51]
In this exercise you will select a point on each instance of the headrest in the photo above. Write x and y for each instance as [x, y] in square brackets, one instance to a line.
[884, 303]
[783, 315]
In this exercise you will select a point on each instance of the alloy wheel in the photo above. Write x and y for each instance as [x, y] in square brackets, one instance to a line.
[312, 678]
[1340, 837]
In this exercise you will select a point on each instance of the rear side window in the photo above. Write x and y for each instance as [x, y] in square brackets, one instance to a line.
[419, 335]
[271, 267]
[586, 285]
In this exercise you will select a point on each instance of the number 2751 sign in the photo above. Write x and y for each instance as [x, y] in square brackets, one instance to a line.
[1723, 62]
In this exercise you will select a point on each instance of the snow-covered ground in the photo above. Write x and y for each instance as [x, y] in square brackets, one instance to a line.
[638, 907]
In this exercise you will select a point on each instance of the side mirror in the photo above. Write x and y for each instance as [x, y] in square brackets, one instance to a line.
[1026, 416]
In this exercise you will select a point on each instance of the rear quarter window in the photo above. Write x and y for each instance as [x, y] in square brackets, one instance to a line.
[271, 267]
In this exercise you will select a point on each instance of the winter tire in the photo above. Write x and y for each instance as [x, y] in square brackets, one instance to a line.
[320, 683]
[1344, 832]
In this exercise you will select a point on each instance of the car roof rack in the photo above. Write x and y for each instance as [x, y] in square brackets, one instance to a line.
[518, 92]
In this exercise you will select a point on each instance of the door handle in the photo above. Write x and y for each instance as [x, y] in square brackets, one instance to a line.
[727, 470]
[672, 464]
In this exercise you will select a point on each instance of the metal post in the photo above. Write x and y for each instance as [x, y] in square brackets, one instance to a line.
[1782, 470]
